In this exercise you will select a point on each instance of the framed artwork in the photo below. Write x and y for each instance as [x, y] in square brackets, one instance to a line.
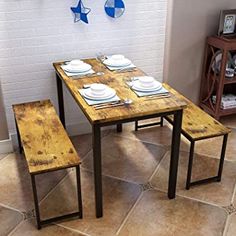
[227, 25]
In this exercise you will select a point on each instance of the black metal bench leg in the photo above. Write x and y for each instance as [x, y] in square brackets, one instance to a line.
[222, 157]
[18, 138]
[161, 121]
[119, 128]
[79, 195]
[136, 125]
[36, 204]
[190, 165]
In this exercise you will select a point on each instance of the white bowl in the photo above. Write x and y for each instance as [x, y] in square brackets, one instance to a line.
[117, 57]
[76, 63]
[98, 89]
[146, 81]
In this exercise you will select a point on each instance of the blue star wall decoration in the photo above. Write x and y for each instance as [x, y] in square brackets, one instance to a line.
[80, 12]
[114, 8]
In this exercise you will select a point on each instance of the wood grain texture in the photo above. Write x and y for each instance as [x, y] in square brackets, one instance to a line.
[197, 123]
[140, 106]
[45, 142]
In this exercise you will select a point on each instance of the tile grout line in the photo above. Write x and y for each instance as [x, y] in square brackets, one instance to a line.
[14, 230]
[190, 198]
[129, 213]
[113, 177]
[226, 226]
[138, 140]
[71, 229]
[11, 208]
[158, 166]
[62, 180]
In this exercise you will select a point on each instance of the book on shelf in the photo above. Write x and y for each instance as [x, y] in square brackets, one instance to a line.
[228, 101]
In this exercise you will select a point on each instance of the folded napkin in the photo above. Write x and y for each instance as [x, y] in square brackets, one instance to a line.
[77, 74]
[113, 68]
[161, 91]
[95, 102]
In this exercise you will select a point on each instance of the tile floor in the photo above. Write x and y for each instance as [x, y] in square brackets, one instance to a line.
[135, 175]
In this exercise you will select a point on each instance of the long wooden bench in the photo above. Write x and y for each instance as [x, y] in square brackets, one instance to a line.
[196, 125]
[46, 147]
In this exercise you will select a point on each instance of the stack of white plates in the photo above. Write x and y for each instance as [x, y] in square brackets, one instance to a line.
[117, 61]
[77, 66]
[99, 92]
[146, 84]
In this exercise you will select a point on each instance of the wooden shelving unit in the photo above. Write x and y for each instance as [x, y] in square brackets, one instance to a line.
[214, 83]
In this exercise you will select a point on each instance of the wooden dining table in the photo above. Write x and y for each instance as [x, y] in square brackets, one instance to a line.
[141, 108]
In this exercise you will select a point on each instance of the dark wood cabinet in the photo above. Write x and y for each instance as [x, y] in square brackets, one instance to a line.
[214, 81]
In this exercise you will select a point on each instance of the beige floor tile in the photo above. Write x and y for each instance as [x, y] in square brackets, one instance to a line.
[83, 143]
[118, 198]
[9, 220]
[15, 184]
[156, 215]
[212, 147]
[155, 134]
[231, 229]
[27, 228]
[3, 155]
[229, 121]
[219, 193]
[127, 159]
[162, 135]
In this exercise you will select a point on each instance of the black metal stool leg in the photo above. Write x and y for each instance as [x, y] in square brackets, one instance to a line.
[190, 165]
[36, 204]
[222, 157]
[79, 195]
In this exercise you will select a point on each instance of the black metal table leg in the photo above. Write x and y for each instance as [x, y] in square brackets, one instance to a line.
[97, 170]
[36, 203]
[174, 159]
[79, 195]
[119, 128]
[190, 165]
[60, 100]
[18, 138]
[222, 157]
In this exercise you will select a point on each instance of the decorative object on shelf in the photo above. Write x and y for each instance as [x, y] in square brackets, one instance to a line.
[218, 77]
[217, 61]
[114, 8]
[80, 12]
[227, 25]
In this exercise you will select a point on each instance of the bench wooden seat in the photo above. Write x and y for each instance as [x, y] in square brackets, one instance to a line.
[46, 147]
[197, 125]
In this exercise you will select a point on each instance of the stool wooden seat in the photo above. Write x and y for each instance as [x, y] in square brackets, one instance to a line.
[46, 147]
[197, 125]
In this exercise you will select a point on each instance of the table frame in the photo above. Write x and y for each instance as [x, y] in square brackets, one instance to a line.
[97, 155]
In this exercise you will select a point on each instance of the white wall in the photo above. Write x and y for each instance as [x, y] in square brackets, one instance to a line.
[35, 33]
[189, 23]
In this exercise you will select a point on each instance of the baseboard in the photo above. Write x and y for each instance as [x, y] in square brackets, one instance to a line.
[72, 130]
[6, 146]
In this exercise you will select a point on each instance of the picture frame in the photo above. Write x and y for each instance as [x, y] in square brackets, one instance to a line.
[227, 24]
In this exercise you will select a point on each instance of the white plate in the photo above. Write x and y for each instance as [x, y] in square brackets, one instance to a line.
[109, 93]
[85, 67]
[138, 86]
[117, 63]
